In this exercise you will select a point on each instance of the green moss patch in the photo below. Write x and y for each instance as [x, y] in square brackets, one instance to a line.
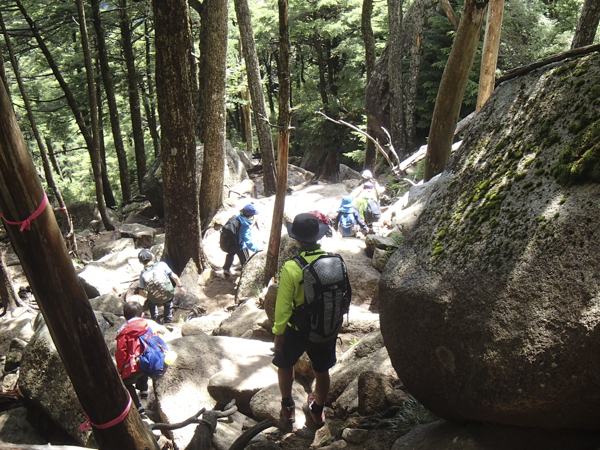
[579, 162]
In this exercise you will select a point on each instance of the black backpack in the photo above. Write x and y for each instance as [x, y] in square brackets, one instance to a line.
[372, 211]
[229, 235]
[327, 295]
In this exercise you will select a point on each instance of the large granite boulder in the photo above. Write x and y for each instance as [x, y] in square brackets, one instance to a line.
[490, 309]
[20, 326]
[111, 274]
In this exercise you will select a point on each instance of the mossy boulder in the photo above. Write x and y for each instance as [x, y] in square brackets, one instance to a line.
[491, 309]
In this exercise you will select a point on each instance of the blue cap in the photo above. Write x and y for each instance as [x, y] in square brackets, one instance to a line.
[249, 210]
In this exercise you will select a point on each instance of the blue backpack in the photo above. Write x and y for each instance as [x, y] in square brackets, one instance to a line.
[347, 223]
[152, 359]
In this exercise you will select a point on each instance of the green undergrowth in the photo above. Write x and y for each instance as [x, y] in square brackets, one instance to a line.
[579, 162]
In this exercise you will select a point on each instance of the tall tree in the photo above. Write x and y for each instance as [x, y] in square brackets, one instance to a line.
[587, 24]
[370, 56]
[283, 145]
[395, 76]
[99, 182]
[452, 87]
[211, 189]
[115, 123]
[2, 70]
[61, 297]
[257, 95]
[183, 240]
[134, 95]
[69, 233]
[9, 299]
[149, 102]
[489, 57]
[93, 101]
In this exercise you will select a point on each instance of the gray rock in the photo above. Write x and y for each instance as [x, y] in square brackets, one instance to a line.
[16, 429]
[360, 321]
[373, 241]
[203, 325]
[266, 404]
[184, 388]
[346, 173]
[20, 326]
[374, 390]
[242, 381]
[111, 274]
[355, 435]
[108, 303]
[490, 308]
[269, 303]
[252, 278]
[142, 235]
[228, 431]
[247, 317]
[15, 354]
[380, 258]
[99, 251]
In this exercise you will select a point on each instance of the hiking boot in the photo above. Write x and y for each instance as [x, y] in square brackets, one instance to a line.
[318, 419]
[142, 411]
[143, 395]
[288, 413]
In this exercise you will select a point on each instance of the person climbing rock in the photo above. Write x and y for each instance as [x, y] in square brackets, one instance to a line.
[348, 219]
[236, 238]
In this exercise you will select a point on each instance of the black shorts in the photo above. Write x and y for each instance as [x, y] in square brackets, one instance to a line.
[322, 355]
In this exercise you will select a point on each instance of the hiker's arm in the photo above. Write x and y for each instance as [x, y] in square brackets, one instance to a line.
[121, 353]
[176, 279]
[247, 239]
[359, 220]
[337, 221]
[283, 304]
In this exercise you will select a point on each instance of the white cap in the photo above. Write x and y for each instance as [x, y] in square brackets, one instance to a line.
[367, 174]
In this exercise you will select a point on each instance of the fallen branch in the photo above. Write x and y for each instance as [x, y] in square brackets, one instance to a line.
[544, 62]
[243, 440]
[395, 170]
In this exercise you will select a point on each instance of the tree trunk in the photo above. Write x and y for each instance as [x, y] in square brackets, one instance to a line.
[447, 7]
[183, 240]
[269, 69]
[202, 69]
[3, 72]
[587, 24]
[134, 96]
[91, 87]
[112, 103]
[109, 197]
[52, 156]
[61, 297]
[246, 107]
[150, 102]
[257, 96]
[7, 292]
[283, 145]
[321, 64]
[370, 56]
[76, 112]
[395, 77]
[211, 189]
[452, 87]
[489, 57]
[69, 233]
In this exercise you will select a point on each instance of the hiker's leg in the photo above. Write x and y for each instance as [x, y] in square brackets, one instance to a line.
[129, 385]
[243, 255]
[168, 311]
[153, 311]
[285, 376]
[142, 383]
[228, 261]
[321, 386]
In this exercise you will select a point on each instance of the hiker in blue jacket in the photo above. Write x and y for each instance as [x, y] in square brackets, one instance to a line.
[349, 218]
[246, 219]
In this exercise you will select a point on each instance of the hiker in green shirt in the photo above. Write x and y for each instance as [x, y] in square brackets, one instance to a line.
[290, 344]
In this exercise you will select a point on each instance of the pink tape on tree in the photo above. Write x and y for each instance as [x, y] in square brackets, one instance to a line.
[85, 426]
[25, 224]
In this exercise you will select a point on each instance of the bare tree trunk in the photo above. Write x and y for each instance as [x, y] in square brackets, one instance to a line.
[202, 71]
[321, 64]
[211, 189]
[489, 57]
[112, 103]
[452, 87]
[69, 233]
[7, 292]
[183, 240]
[370, 57]
[269, 69]
[60, 295]
[76, 112]
[395, 76]
[109, 197]
[150, 102]
[52, 156]
[283, 145]
[91, 87]
[134, 96]
[257, 95]
[587, 24]
[246, 107]
[3, 72]
[447, 7]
